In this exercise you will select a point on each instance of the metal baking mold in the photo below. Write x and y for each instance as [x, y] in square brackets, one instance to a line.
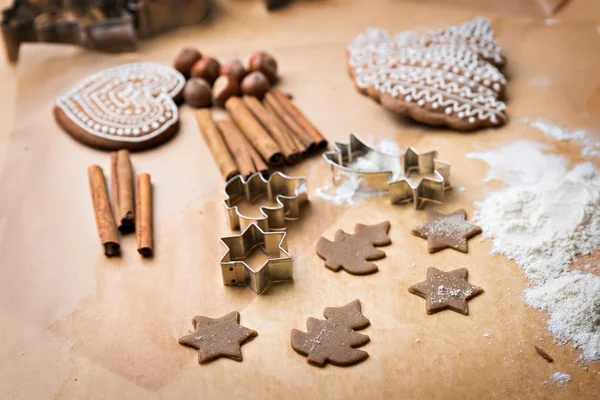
[236, 272]
[105, 25]
[386, 172]
[288, 192]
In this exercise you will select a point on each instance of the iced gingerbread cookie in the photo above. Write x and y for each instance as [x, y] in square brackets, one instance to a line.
[477, 35]
[433, 83]
[132, 106]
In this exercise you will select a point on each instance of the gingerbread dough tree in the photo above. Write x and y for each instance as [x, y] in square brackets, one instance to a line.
[334, 338]
[352, 253]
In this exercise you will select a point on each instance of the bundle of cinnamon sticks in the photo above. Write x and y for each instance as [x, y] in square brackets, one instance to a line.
[132, 213]
[258, 134]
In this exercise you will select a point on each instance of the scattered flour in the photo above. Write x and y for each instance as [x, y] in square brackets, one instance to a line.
[340, 195]
[522, 162]
[561, 378]
[542, 220]
[486, 335]
[590, 146]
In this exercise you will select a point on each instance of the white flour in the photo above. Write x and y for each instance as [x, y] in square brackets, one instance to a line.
[561, 378]
[542, 220]
[590, 146]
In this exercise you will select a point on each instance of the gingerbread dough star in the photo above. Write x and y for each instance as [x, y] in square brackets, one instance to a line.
[444, 231]
[443, 290]
[218, 337]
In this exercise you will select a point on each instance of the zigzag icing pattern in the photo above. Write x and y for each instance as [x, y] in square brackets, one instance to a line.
[131, 102]
[448, 79]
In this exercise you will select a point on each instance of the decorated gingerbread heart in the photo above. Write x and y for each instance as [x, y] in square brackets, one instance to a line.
[131, 106]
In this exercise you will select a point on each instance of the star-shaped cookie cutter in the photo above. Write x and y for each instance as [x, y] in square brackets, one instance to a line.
[385, 172]
[237, 272]
[289, 193]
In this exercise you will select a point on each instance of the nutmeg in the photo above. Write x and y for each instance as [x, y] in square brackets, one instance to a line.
[255, 84]
[197, 93]
[206, 68]
[224, 88]
[263, 62]
[235, 69]
[185, 60]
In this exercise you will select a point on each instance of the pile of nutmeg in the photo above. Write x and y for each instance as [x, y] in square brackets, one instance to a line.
[210, 83]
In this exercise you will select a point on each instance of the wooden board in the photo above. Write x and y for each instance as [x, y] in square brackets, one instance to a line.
[77, 325]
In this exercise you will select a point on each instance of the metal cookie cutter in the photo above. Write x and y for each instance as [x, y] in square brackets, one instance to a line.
[411, 176]
[237, 272]
[288, 194]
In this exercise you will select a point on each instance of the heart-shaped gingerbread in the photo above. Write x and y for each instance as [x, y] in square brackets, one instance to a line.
[132, 106]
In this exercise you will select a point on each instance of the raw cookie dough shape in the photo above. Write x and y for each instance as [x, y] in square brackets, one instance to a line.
[334, 339]
[444, 231]
[446, 290]
[351, 252]
[131, 106]
[438, 84]
[218, 337]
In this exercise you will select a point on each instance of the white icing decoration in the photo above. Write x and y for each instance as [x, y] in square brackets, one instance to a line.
[421, 74]
[135, 100]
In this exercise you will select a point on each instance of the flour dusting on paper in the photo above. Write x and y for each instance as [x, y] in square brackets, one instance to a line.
[590, 146]
[544, 219]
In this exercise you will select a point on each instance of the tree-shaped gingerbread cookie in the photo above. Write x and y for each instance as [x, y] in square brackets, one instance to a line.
[352, 252]
[333, 339]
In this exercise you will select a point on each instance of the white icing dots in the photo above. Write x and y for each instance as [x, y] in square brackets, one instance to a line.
[113, 104]
[441, 76]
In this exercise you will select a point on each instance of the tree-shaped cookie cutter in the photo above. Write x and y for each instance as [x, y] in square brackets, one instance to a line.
[386, 172]
[289, 193]
[236, 271]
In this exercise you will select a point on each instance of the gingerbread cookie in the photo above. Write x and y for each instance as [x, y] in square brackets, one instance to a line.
[132, 106]
[444, 231]
[436, 84]
[352, 253]
[476, 35]
[218, 337]
[446, 290]
[333, 339]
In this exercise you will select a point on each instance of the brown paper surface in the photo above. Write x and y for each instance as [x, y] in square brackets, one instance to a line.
[78, 325]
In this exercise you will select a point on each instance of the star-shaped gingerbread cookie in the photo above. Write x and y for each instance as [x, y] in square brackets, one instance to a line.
[446, 290]
[444, 231]
[218, 337]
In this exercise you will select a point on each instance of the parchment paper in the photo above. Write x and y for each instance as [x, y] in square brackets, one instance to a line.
[78, 325]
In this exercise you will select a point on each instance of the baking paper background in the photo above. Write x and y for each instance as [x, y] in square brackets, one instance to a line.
[76, 324]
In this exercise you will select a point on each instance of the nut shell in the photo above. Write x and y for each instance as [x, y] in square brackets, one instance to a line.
[264, 62]
[197, 93]
[206, 68]
[185, 60]
[255, 84]
[223, 89]
[235, 70]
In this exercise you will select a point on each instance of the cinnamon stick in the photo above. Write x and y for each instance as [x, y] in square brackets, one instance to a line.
[273, 126]
[107, 230]
[246, 157]
[300, 147]
[216, 145]
[144, 215]
[122, 190]
[299, 117]
[292, 125]
[258, 137]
